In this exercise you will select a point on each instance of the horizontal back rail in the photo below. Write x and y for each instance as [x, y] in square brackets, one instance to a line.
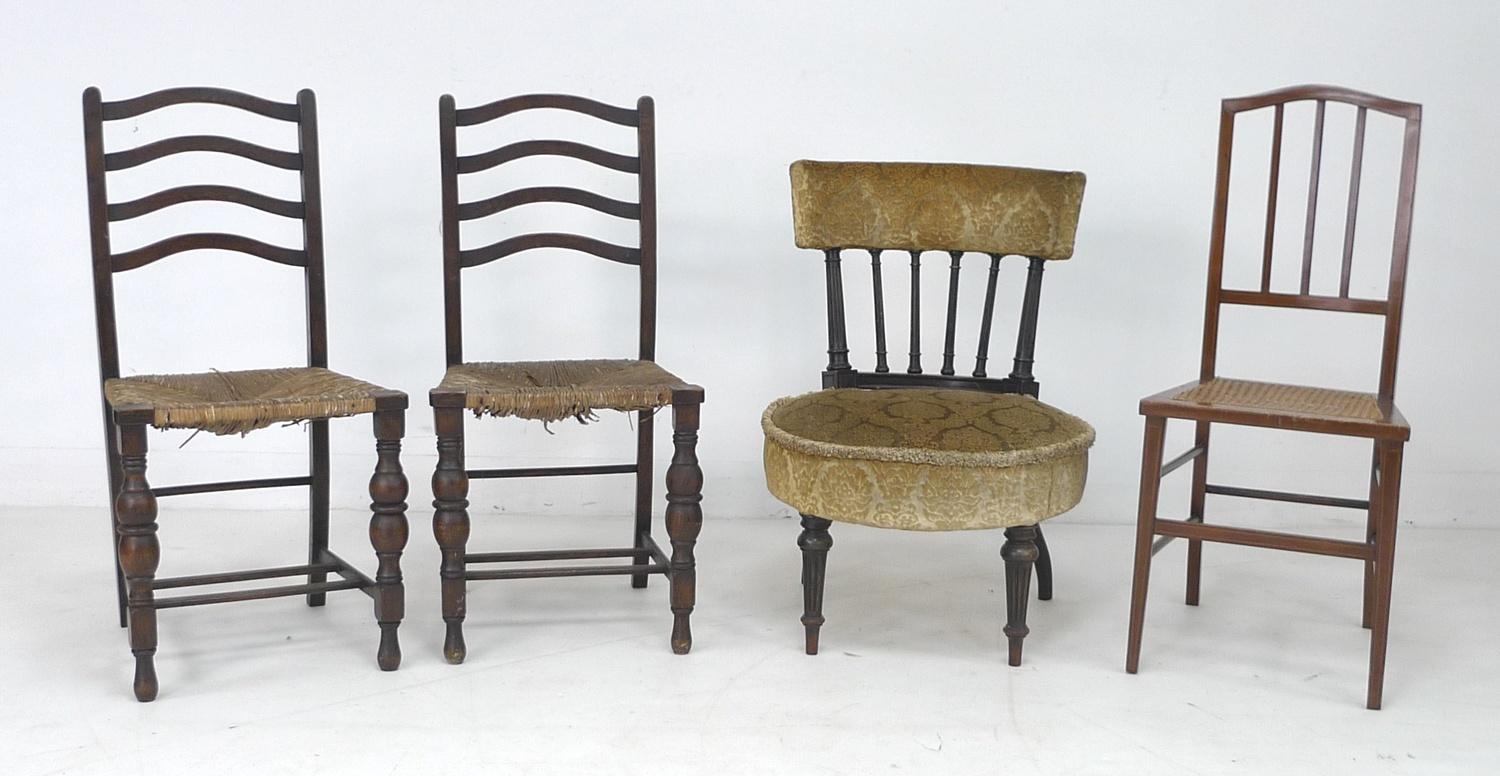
[136, 208]
[133, 157]
[478, 209]
[475, 257]
[136, 106]
[508, 153]
[142, 256]
[479, 114]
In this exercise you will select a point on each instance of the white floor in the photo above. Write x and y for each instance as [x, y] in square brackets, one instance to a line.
[573, 676]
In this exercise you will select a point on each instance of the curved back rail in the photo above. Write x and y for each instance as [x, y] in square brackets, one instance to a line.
[643, 211]
[919, 208]
[1390, 307]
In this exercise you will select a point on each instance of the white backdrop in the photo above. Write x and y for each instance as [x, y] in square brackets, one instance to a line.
[1128, 95]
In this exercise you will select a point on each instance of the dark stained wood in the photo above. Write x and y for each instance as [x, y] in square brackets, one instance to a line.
[1388, 432]
[451, 522]
[1019, 553]
[914, 366]
[815, 542]
[987, 323]
[1043, 568]
[949, 331]
[134, 502]
[877, 283]
[388, 532]
[1030, 311]
[838, 338]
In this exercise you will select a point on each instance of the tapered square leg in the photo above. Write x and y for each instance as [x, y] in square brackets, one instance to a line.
[1145, 532]
[1385, 556]
[317, 502]
[450, 524]
[1372, 520]
[1020, 553]
[388, 533]
[1195, 512]
[815, 542]
[684, 520]
[139, 554]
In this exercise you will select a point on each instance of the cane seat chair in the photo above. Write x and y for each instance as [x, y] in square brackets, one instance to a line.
[562, 389]
[1214, 399]
[920, 451]
[232, 402]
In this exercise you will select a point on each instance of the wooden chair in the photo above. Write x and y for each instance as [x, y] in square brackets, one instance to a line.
[916, 450]
[232, 402]
[1212, 399]
[556, 390]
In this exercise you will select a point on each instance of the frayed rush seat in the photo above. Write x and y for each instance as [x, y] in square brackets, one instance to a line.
[925, 459]
[556, 390]
[243, 401]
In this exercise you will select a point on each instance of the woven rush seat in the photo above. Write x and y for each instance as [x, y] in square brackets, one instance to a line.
[555, 390]
[925, 459]
[243, 401]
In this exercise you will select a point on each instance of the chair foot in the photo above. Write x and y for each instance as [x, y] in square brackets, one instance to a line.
[389, 655]
[145, 676]
[815, 542]
[454, 649]
[1020, 554]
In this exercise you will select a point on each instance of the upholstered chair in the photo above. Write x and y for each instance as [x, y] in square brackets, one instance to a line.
[913, 449]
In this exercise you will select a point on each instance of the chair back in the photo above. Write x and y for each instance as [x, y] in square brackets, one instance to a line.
[950, 208]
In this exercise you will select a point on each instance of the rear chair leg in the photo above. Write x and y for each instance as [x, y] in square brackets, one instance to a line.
[112, 460]
[1020, 553]
[317, 525]
[450, 524]
[388, 533]
[1043, 567]
[1372, 519]
[643, 475]
[1195, 512]
[1145, 533]
[1385, 544]
[139, 555]
[684, 521]
[815, 543]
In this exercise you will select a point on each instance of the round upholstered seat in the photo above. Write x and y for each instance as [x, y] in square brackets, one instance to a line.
[925, 459]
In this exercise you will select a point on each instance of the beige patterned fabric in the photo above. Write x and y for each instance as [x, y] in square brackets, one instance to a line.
[1299, 399]
[949, 207]
[240, 402]
[925, 459]
[555, 390]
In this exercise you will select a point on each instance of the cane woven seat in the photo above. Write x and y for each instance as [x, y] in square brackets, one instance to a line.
[241, 402]
[555, 390]
[1278, 405]
[925, 459]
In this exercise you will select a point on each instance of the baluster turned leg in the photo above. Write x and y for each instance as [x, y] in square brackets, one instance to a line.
[388, 532]
[1043, 567]
[450, 524]
[1019, 553]
[815, 543]
[139, 554]
[684, 520]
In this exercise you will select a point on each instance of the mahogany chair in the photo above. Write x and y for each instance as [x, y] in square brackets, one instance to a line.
[915, 450]
[1213, 399]
[232, 402]
[557, 390]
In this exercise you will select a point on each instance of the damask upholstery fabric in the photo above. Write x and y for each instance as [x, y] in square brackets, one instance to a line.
[925, 459]
[948, 207]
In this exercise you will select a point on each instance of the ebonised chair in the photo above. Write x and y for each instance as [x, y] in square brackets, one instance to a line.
[232, 402]
[915, 450]
[557, 390]
[1212, 399]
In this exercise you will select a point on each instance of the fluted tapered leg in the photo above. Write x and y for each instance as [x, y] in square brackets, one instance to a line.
[1019, 553]
[815, 542]
[139, 555]
[684, 520]
[388, 533]
[450, 524]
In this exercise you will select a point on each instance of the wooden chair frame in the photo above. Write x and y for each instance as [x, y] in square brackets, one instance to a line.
[1388, 434]
[450, 482]
[1025, 547]
[133, 506]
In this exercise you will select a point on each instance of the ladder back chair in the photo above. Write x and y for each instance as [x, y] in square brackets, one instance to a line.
[232, 402]
[1213, 399]
[556, 390]
[911, 449]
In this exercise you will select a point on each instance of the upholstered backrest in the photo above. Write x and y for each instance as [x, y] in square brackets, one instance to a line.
[946, 207]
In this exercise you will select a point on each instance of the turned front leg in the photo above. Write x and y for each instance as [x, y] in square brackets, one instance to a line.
[139, 555]
[815, 542]
[388, 533]
[684, 520]
[1019, 553]
[450, 524]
